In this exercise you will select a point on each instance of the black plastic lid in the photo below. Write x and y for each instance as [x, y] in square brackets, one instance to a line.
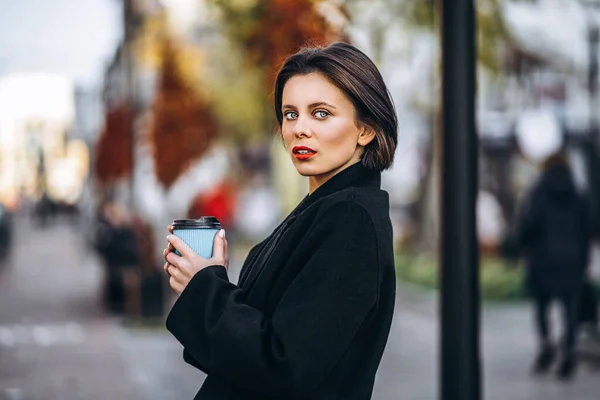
[202, 222]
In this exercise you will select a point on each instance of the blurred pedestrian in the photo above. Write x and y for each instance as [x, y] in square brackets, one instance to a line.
[588, 311]
[45, 209]
[117, 245]
[554, 233]
[311, 313]
[6, 228]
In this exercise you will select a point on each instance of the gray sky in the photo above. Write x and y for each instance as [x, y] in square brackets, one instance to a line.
[72, 37]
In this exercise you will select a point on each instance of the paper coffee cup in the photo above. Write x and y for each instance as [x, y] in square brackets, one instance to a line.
[198, 234]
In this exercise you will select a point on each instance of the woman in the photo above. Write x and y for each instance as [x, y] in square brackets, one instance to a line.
[555, 236]
[311, 314]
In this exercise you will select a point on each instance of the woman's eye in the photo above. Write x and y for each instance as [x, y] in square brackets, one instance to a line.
[321, 114]
[290, 115]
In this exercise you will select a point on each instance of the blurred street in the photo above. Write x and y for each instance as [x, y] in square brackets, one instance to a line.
[56, 342]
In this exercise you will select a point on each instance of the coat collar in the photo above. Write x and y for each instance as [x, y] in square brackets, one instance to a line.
[355, 175]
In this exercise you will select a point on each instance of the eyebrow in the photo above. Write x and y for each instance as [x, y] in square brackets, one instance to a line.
[313, 105]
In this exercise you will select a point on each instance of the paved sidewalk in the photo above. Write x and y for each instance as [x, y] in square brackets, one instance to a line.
[55, 342]
[409, 368]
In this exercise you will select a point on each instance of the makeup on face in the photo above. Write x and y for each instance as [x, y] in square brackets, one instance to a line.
[303, 152]
[319, 127]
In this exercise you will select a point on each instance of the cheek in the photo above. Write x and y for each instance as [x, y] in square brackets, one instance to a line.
[286, 135]
[343, 135]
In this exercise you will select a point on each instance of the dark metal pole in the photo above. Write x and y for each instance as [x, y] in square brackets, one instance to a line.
[459, 300]
[593, 157]
[594, 39]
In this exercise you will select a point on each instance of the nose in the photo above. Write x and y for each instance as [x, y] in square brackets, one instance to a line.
[302, 128]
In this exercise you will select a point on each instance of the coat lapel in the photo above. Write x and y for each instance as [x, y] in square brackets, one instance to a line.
[353, 176]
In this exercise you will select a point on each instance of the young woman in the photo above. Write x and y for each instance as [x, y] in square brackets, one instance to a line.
[311, 314]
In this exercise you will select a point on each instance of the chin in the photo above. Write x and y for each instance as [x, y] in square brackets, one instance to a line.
[305, 169]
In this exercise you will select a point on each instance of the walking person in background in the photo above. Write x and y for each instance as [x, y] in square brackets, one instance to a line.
[311, 313]
[554, 234]
[116, 243]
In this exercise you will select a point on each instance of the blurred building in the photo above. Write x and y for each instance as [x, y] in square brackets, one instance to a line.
[36, 114]
[88, 115]
[548, 73]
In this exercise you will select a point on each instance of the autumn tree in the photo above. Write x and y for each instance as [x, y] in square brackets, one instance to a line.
[114, 156]
[267, 32]
[183, 125]
[282, 28]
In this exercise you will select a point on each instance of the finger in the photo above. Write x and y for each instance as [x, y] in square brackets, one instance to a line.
[173, 271]
[174, 259]
[176, 286]
[219, 247]
[165, 252]
[180, 245]
[170, 247]
[170, 228]
[170, 268]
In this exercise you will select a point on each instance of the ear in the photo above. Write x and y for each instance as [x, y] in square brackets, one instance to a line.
[366, 136]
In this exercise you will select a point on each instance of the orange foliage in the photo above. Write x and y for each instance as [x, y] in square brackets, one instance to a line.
[282, 28]
[113, 159]
[183, 125]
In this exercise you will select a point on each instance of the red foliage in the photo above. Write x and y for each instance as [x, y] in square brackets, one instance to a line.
[183, 125]
[114, 159]
[282, 28]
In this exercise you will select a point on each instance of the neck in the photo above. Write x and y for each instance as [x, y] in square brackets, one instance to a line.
[316, 181]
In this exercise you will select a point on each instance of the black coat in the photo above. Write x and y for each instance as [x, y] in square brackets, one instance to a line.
[554, 233]
[312, 313]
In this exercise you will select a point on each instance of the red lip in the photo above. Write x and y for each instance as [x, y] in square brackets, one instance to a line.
[305, 156]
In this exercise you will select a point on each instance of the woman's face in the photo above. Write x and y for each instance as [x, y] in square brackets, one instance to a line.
[319, 128]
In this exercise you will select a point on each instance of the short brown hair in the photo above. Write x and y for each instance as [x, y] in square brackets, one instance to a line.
[353, 72]
[556, 161]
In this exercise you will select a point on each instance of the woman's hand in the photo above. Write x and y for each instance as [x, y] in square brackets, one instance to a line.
[182, 269]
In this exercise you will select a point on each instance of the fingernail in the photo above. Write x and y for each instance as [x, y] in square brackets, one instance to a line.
[222, 233]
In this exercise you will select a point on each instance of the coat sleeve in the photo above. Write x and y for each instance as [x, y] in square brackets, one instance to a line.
[187, 357]
[289, 354]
